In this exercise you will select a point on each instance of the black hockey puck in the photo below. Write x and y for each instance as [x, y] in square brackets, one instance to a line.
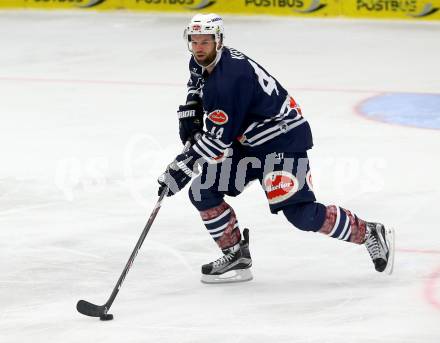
[106, 316]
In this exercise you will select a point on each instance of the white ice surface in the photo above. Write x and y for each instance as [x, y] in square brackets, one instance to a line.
[87, 109]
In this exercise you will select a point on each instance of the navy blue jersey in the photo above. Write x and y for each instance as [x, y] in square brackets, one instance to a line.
[244, 103]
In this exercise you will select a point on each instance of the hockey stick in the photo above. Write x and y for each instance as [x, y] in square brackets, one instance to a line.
[100, 311]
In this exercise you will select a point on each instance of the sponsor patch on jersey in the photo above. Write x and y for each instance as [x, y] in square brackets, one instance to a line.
[295, 106]
[218, 117]
[279, 186]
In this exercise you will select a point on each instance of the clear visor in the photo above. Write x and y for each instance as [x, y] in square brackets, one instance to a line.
[201, 43]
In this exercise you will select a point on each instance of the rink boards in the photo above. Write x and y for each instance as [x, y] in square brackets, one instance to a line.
[381, 9]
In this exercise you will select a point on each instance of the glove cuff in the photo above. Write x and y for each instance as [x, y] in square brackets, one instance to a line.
[186, 163]
[182, 166]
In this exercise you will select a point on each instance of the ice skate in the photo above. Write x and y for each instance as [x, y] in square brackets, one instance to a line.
[233, 266]
[380, 246]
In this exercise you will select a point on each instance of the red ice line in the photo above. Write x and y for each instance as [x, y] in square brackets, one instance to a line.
[419, 251]
[170, 84]
[433, 278]
[430, 288]
[107, 82]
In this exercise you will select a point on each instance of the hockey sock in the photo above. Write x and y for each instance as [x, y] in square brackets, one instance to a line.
[222, 225]
[342, 224]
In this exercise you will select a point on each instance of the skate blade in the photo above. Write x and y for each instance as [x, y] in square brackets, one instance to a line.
[239, 275]
[390, 239]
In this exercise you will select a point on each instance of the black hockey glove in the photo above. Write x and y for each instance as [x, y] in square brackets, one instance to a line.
[190, 121]
[177, 174]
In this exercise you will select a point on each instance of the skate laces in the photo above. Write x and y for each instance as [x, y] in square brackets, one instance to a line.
[224, 259]
[373, 245]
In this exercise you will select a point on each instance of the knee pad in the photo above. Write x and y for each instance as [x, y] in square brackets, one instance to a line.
[306, 216]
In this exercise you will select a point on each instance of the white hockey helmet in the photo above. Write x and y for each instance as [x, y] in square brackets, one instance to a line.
[205, 24]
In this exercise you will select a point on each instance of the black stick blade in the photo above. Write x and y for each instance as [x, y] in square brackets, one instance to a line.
[90, 309]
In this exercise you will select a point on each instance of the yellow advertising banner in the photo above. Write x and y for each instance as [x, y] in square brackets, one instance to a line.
[170, 5]
[382, 9]
[11, 3]
[65, 4]
[397, 9]
[320, 8]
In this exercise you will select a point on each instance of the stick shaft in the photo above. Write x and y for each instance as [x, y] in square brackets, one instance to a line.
[139, 243]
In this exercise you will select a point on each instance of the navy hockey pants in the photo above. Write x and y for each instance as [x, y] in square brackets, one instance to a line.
[285, 177]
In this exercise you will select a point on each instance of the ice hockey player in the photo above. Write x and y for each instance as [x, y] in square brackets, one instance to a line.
[253, 130]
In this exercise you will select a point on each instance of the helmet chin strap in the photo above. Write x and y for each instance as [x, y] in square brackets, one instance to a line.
[214, 62]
